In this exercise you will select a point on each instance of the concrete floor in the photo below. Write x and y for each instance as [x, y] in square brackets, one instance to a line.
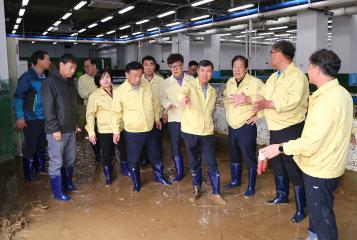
[159, 212]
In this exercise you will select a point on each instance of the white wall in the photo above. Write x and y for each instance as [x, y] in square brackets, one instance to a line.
[27, 48]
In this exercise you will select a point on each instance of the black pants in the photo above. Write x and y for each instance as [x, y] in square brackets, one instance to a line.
[107, 148]
[122, 147]
[243, 143]
[319, 197]
[204, 145]
[284, 165]
[174, 129]
[35, 137]
[138, 142]
[159, 136]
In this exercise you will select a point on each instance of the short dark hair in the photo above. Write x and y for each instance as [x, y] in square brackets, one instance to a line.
[68, 57]
[240, 58]
[39, 54]
[174, 57]
[286, 48]
[135, 65]
[192, 63]
[327, 61]
[148, 58]
[99, 76]
[205, 63]
[92, 60]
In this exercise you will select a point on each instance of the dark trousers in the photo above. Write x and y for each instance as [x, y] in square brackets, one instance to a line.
[35, 137]
[107, 148]
[122, 147]
[174, 129]
[138, 142]
[243, 143]
[319, 196]
[284, 165]
[204, 145]
[159, 135]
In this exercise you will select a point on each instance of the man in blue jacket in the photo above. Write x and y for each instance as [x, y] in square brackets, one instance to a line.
[27, 105]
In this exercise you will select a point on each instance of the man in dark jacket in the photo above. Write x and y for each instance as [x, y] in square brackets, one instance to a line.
[59, 105]
[27, 106]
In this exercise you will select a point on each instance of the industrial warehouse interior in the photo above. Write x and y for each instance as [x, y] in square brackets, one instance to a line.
[185, 119]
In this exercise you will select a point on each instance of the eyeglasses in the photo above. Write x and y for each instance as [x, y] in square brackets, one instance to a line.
[175, 66]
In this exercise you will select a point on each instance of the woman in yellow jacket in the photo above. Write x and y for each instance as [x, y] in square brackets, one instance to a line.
[98, 112]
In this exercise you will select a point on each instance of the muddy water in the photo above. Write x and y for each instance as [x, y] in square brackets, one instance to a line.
[159, 212]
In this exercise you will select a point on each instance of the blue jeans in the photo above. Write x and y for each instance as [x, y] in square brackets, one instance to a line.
[62, 153]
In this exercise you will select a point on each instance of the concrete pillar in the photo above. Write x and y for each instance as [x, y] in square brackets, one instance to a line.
[211, 51]
[343, 42]
[311, 36]
[4, 71]
[181, 44]
[131, 53]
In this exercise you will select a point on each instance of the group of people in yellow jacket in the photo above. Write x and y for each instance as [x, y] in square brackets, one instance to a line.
[309, 136]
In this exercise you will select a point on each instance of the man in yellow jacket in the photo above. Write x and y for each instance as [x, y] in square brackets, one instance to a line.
[321, 151]
[173, 109]
[285, 106]
[155, 81]
[199, 99]
[135, 105]
[241, 90]
[86, 86]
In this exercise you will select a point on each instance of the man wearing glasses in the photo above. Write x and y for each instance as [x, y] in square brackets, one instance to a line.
[285, 105]
[86, 86]
[173, 109]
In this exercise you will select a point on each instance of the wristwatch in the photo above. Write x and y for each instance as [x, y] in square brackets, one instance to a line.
[281, 149]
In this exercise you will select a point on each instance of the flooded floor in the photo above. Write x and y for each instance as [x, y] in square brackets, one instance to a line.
[159, 212]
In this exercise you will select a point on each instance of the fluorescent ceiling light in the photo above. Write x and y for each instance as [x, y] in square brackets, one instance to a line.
[329, 27]
[124, 36]
[93, 25]
[124, 27]
[80, 5]
[199, 18]
[50, 29]
[264, 34]
[54, 43]
[106, 19]
[74, 34]
[44, 33]
[57, 23]
[165, 14]
[100, 35]
[239, 36]
[16, 26]
[67, 15]
[277, 28]
[136, 33]
[201, 3]
[127, 9]
[271, 39]
[152, 29]
[329, 21]
[258, 37]
[142, 21]
[291, 31]
[292, 37]
[22, 12]
[25, 2]
[33, 42]
[110, 32]
[13, 31]
[248, 31]
[282, 35]
[225, 34]
[18, 20]
[173, 24]
[82, 30]
[75, 43]
[240, 7]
